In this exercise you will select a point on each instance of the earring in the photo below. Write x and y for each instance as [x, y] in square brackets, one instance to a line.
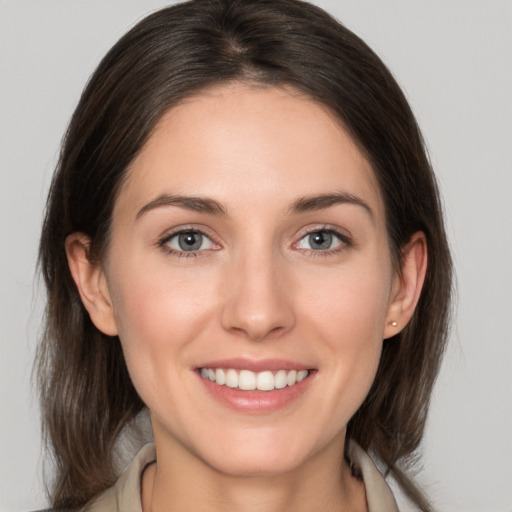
[393, 323]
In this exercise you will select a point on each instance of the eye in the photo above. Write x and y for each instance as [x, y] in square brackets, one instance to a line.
[321, 240]
[188, 241]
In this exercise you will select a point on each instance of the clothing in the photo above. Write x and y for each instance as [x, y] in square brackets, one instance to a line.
[124, 495]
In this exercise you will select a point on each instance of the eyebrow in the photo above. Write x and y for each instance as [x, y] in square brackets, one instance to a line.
[197, 204]
[213, 207]
[322, 201]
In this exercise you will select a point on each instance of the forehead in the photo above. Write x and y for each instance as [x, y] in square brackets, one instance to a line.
[239, 143]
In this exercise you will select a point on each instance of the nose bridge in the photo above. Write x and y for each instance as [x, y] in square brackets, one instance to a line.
[257, 300]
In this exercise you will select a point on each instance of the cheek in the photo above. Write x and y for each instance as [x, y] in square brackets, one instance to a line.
[158, 314]
[349, 305]
[158, 303]
[348, 317]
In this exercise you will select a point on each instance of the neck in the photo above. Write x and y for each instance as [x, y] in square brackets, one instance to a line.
[180, 481]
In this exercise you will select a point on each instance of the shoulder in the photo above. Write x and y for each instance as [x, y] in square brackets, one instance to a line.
[124, 495]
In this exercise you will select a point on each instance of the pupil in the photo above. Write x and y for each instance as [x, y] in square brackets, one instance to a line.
[321, 240]
[190, 241]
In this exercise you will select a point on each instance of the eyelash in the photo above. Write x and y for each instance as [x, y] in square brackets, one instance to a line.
[345, 242]
[162, 243]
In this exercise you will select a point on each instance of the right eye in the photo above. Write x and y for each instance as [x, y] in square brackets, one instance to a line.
[188, 241]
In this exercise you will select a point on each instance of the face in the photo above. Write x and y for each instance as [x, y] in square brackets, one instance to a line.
[249, 279]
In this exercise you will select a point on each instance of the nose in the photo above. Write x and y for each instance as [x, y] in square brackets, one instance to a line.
[258, 296]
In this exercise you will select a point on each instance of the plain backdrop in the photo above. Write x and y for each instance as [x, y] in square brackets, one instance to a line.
[454, 60]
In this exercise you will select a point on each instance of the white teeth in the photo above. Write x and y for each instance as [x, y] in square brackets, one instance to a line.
[281, 379]
[265, 381]
[248, 381]
[220, 376]
[292, 377]
[301, 375]
[231, 379]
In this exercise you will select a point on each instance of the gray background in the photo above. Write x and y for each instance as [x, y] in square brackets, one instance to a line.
[454, 60]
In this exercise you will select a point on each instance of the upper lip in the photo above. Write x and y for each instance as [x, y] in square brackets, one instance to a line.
[255, 365]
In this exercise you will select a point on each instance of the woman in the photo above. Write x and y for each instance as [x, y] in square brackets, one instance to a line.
[243, 238]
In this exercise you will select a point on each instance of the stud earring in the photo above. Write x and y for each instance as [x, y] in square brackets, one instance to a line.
[393, 323]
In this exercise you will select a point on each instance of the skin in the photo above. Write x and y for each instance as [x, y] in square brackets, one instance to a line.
[256, 289]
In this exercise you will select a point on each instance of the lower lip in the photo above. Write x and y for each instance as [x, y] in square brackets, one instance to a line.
[257, 402]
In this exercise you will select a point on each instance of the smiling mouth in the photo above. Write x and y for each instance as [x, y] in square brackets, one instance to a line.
[247, 380]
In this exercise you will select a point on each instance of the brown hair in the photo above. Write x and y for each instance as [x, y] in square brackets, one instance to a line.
[86, 394]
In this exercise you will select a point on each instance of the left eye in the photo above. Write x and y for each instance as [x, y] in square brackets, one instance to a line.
[189, 241]
[322, 240]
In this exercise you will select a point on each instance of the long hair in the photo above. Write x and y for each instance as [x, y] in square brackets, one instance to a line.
[86, 394]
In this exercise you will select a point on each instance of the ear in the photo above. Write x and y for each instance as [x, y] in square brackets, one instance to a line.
[408, 284]
[91, 283]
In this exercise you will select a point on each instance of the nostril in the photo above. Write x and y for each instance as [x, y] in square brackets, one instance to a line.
[259, 331]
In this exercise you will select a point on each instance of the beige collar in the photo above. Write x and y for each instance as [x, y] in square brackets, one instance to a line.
[124, 495]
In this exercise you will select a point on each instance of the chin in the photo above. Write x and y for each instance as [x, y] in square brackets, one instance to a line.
[245, 464]
[260, 453]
